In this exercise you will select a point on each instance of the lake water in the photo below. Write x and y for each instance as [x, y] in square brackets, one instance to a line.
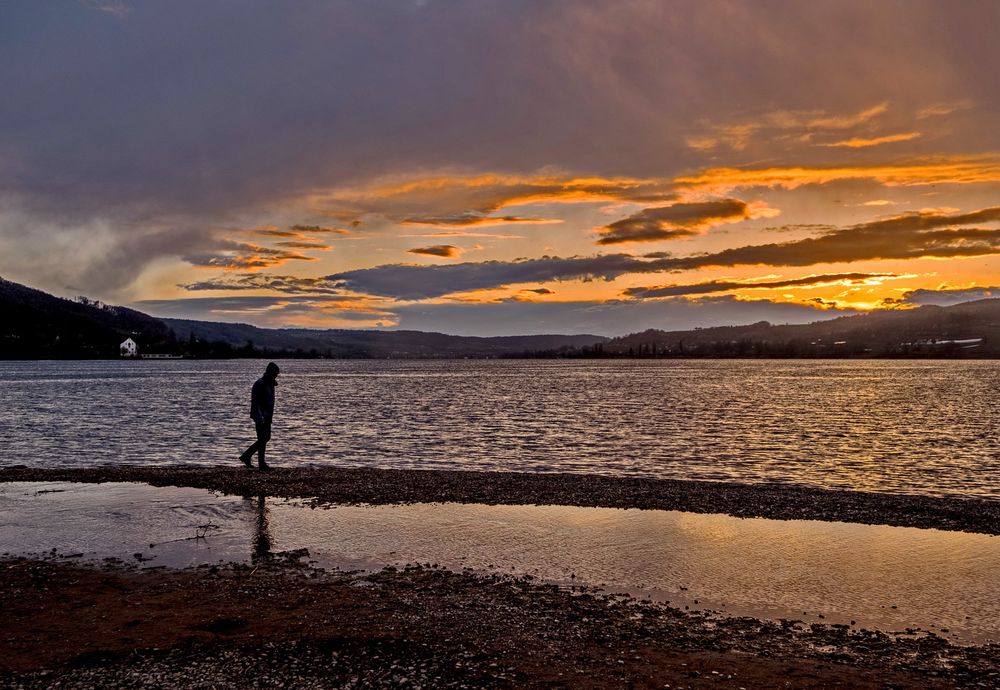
[924, 427]
[888, 578]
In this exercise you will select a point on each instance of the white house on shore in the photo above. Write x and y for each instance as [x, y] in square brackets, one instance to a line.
[128, 348]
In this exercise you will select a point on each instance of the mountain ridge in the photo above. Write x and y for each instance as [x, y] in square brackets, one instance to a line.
[37, 325]
[921, 331]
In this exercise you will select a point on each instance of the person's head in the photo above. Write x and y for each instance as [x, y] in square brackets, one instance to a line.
[272, 371]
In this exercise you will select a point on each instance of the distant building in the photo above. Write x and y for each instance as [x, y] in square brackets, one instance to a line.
[128, 348]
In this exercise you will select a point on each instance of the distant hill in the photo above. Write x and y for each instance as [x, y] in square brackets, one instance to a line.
[362, 343]
[35, 324]
[969, 329]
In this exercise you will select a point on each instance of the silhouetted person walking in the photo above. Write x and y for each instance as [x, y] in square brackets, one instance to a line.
[261, 411]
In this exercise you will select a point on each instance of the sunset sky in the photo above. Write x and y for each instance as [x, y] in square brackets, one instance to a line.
[492, 167]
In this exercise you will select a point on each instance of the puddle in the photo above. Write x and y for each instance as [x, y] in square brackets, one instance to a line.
[888, 578]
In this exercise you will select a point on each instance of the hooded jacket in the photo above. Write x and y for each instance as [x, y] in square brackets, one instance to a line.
[262, 399]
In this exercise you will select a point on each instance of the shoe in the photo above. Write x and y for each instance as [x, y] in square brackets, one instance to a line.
[264, 467]
[246, 460]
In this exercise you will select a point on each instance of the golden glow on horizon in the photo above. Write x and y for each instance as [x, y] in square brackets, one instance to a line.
[957, 170]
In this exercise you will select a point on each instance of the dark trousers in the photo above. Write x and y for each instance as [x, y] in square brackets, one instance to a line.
[258, 447]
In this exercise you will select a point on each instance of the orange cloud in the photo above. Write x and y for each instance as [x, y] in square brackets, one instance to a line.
[906, 236]
[240, 255]
[737, 136]
[847, 121]
[305, 244]
[318, 229]
[275, 232]
[942, 109]
[445, 196]
[451, 201]
[463, 233]
[813, 281]
[298, 231]
[957, 170]
[466, 220]
[861, 142]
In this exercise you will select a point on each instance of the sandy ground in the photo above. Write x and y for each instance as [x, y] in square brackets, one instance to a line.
[279, 624]
[341, 485]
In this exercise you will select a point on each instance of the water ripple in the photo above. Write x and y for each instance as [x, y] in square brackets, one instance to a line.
[897, 426]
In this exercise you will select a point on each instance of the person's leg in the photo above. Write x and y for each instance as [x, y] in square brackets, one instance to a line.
[248, 453]
[263, 436]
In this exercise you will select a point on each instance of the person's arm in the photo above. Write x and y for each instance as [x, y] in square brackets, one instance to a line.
[256, 413]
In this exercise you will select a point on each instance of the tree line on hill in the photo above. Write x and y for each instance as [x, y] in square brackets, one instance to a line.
[36, 325]
[969, 330]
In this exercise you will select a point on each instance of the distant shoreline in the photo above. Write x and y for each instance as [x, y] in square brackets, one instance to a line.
[334, 485]
[522, 357]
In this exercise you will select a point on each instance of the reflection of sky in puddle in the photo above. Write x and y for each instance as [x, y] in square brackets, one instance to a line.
[795, 569]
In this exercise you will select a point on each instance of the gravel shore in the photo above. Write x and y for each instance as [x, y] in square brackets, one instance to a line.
[351, 486]
[282, 624]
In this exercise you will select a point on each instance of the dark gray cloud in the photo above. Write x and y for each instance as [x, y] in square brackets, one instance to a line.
[601, 318]
[800, 227]
[92, 259]
[318, 230]
[945, 297]
[274, 311]
[183, 307]
[289, 285]
[276, 232]
[118, 8]
[726, 286]
[673, 222]
[908, 236]
[303, 244]
[928, 220]
[502, 318]
[206, 108]
[448, 251]
[406, 281]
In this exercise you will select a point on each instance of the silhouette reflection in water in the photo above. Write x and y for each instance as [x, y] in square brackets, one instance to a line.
[262, 531]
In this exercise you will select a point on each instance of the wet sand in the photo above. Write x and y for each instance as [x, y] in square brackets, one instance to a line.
[331, 485]
[280, 624]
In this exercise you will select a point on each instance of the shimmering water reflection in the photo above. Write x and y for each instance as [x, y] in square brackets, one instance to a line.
[883, 577]
[925, 427]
